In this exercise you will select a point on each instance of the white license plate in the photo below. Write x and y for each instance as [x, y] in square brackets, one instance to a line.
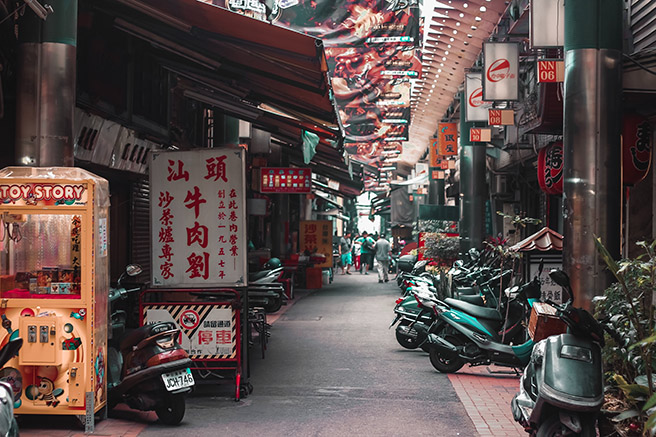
[177, 380]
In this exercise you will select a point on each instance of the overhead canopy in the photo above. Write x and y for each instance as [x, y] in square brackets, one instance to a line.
[245, 62]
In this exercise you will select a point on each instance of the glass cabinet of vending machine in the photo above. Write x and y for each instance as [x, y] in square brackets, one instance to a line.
[54, 284]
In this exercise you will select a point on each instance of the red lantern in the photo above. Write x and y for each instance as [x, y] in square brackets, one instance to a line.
[636, 148]
[550, 168]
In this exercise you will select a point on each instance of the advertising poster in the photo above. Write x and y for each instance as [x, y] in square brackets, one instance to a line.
[372, 53]
[198, 218]
[316, 236]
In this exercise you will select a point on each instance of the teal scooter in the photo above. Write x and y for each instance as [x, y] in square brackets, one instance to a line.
[469, 334]
[562, 389]
[415, 320]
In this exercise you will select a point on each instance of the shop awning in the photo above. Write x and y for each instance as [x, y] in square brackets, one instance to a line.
[543, 240]
[247, 63]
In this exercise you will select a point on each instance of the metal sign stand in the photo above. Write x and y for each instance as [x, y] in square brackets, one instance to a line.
[205, 318]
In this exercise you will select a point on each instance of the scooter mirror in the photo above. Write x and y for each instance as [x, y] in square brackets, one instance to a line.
[560, 278]
[133, 269]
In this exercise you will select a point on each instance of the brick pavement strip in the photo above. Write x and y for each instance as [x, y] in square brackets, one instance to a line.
[486, 397]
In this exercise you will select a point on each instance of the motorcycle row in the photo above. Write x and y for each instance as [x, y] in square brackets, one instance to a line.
[561, 390]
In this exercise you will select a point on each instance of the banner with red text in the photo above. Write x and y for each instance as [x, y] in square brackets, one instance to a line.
[198, 218]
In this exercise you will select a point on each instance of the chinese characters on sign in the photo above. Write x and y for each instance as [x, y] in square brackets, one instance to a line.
[316, 237]
[205, 330]
[448, 138]
[550, 168]
[285, 180]
[198, 218]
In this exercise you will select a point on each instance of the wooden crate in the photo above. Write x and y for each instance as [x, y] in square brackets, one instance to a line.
[544, 322]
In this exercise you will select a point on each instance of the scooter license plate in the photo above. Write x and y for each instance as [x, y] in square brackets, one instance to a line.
[178, 379]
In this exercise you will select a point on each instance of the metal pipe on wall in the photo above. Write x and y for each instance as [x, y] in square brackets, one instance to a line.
[46, 87]
[592, 124]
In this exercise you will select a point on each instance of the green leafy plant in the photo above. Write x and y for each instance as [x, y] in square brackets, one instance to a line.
[629, 306]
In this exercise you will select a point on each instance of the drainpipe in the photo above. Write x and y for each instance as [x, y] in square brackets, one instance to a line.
[592, 125]
[46, 86]
[473, 189]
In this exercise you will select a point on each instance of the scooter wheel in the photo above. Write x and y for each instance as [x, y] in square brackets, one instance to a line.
[553, 428]
[172, 410]
[274, 306]
[405, 340]
[446, 362]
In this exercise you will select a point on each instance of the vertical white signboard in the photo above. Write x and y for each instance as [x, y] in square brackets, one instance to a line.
[547, 23]
[477, 109]
[501, 71]
[198, 218]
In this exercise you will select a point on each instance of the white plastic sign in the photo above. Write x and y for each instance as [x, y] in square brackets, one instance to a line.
[501, 71]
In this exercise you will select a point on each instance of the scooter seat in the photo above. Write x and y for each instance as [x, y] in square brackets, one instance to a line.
[474, 310]
[134, 337]
[257, 275]
[474, 300]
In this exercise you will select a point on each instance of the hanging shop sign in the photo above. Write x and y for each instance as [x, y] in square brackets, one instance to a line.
[433, 152]
[285, 180]
[550, 168]
[551, 70]
[501, 117]
[198, 218]
[476, 109]
[547, 23]
[447, 134]
[636, 148]
[501, 71]
[480, 135]
[316, 238]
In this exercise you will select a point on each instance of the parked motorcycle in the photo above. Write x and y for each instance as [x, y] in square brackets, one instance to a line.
[8, 425]
[562, 389]
[147, 368]
[479, 335]
[264, 287]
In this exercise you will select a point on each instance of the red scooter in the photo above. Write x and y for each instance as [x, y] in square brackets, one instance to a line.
[147, 368]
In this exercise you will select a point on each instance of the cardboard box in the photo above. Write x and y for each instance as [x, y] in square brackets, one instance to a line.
[544, 322]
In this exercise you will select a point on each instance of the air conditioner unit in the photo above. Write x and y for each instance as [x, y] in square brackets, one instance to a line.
[500, 186]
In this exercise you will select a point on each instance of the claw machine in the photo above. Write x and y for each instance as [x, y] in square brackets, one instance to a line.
[54, 284]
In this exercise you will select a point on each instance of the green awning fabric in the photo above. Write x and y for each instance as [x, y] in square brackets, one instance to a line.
[310, 141]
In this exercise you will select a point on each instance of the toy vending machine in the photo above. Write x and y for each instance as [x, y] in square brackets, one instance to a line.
[54, 285]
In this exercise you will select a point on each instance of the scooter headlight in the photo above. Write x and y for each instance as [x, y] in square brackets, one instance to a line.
[576, 353]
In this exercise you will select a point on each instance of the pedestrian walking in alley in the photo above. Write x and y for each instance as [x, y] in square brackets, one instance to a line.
[367, 252]
[357, 251]
[345, 253]
[383, 251]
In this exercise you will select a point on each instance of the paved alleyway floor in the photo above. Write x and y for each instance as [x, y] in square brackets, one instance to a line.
[332, 369]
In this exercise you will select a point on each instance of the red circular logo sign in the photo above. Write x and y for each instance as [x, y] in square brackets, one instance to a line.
[499, 70]
[476, 98]
[189, 319]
